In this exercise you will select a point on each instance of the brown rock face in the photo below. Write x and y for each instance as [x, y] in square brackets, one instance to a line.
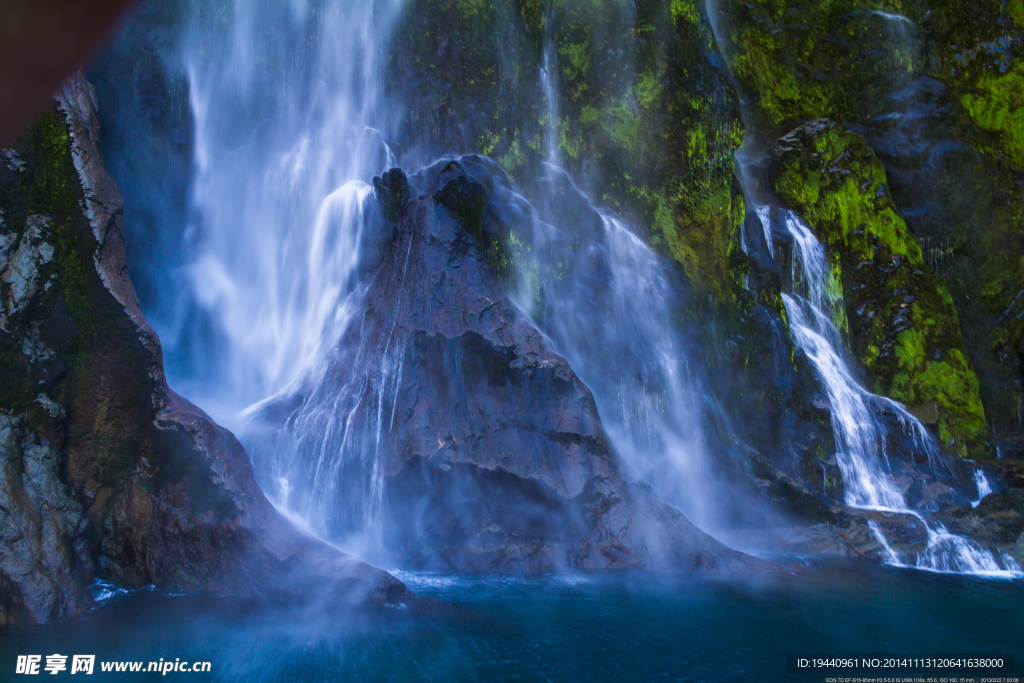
[104, 471]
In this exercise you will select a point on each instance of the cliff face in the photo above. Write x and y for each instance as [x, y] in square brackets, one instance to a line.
[106, 472]
[923, 108]
[643, 113]
[646, 114]
[892, 129]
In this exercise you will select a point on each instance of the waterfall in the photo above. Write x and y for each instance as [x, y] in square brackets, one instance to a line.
[609, 303]
[611, 306]
[290, 123]
[325, 469]
[549, 85]
[291, 118]
[859, 432]
[983, 485]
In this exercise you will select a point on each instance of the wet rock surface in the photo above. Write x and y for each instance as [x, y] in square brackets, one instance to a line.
[487, 451]
[997, 520]
[104, 471]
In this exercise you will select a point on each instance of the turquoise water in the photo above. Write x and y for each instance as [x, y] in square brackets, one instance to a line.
[594, 627]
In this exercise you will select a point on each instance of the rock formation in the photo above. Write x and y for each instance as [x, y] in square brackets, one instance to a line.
[106, 472]
[486, 451]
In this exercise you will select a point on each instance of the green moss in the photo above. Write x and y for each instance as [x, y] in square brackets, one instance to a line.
[575, 61]
[834, 297]
[1016, 11]
[841, 59]
[54, 191]
[532, 14]
[513, 159]
[570, 141]
[996, 104]
[686, 12]
[952, 383]
[817, 58]
[910, 350]
[486, 143]
[839, 184]
[656, 132]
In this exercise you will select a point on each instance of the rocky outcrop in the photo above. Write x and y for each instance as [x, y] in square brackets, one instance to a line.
[444, 422]
[997, 520]
[106, 473]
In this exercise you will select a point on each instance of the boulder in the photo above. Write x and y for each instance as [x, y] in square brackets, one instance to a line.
[445, 427]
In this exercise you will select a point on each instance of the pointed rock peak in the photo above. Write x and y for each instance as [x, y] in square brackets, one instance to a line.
[392, 192]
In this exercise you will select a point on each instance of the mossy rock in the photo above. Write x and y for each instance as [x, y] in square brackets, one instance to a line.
[903, 324]
[995, 102]
[818, 58]
[853, 60]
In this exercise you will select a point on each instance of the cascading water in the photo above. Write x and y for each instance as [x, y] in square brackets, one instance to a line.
[609, 302]
[328, 466]
[283, 281]
[548, 80]
[290, 119]
[983, 485]
[814, 305]
[289, 125]
[859, 433]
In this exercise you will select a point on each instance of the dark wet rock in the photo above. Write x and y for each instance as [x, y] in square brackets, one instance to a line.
[392, 192]
[1010, 471]
[444, 421]
[463, 196]
[44, 556]
[105, 472]
[996, 521]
